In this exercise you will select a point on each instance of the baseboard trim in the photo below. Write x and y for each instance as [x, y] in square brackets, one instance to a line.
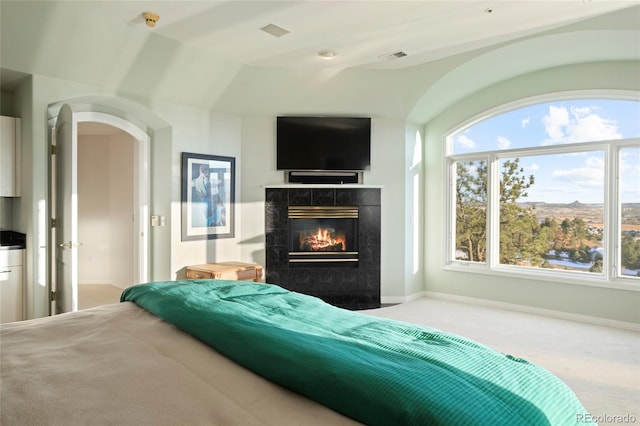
[533, 310]
[394, 300]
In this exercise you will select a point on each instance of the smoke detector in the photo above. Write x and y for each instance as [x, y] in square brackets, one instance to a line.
[150, 18]
[274, 30]
[394, 55]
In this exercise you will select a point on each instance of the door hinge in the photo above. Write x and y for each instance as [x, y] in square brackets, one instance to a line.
[53, 296]
[54, 151]
[53, 222]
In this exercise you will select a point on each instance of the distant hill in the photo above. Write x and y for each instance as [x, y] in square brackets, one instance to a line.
[576, 205]
[592, 214]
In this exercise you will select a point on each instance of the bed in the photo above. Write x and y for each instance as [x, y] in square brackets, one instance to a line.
[215, 352]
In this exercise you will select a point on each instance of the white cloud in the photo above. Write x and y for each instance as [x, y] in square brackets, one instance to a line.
[503, 143]
[464, 142]
[556, 122]
[595, 163]
[532, 167]
[591, 175]
[582, 124]
[581, 110]
[630, 175]
[630, 161]
[525, 122]
[592, 127]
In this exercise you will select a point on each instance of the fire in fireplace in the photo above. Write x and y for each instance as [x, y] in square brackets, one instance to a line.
[325, 239]
[323, 234]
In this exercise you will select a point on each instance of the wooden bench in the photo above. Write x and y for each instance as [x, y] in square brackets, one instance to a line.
[240, 271]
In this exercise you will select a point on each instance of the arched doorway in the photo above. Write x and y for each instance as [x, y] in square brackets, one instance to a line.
[134, 159]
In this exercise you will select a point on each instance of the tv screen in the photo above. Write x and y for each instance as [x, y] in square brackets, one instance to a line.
[323, 143]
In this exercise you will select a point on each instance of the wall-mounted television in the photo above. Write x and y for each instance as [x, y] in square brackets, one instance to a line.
[323, 143]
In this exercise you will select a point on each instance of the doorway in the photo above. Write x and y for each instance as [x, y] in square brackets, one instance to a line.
[105, 213]
[111, 197]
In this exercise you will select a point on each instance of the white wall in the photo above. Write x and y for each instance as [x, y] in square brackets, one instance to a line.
[202, 132]
[7, 106]
[6, 218]
[94, 210]
[190, 129]
[620, 305]
[121, 210]
[251, 139]
[414, 211]
[388, 168]
[258, 169]
[105, 209]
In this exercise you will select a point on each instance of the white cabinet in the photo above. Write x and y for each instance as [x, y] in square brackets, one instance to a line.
[11, 286]
[9, 157]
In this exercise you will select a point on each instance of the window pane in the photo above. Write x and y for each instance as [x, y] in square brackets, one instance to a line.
[471, 211]
[630, 211]
[552, 211]
[552, 123]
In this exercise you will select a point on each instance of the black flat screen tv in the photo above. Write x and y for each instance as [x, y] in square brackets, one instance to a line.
[323, 143]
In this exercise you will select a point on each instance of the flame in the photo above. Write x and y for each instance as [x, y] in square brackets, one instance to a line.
[322, 239]
[323, 236]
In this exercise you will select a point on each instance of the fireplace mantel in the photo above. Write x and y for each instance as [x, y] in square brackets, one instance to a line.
[318, 185]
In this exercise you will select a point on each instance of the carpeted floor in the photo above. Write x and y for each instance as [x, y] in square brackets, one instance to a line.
[601, 364]
[90, 295]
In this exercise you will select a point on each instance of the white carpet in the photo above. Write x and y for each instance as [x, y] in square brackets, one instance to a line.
[90, 295]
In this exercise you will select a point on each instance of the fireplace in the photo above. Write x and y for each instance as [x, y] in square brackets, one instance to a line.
[323, 234]
[325, 242]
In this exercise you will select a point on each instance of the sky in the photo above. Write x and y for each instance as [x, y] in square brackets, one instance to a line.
[564, 178]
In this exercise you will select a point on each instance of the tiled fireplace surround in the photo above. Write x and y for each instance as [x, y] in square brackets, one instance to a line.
[352, 286]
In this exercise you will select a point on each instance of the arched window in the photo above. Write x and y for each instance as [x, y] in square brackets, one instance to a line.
[550, 189]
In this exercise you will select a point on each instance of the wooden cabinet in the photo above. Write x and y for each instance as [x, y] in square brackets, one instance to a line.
[9, 156]
[11, 286]
[226, 271]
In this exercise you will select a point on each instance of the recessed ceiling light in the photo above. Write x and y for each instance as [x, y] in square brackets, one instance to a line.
[275, 30]
[327, 54]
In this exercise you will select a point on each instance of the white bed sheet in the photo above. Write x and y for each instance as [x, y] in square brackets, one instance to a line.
[120, 365]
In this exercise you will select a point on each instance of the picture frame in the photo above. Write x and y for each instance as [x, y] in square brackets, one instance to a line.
[208, 196]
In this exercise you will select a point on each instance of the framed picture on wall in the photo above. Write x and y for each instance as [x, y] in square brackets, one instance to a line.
[208, 196]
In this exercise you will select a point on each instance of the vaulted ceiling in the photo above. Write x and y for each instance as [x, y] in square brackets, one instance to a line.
[367, 34]
[225, 54]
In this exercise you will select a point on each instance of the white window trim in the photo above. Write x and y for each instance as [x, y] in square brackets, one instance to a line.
[609, 277]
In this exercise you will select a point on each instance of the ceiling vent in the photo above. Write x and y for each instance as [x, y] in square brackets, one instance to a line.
[394, 55]
[275, 30]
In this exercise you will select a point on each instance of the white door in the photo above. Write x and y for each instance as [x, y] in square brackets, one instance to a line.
[66, 211]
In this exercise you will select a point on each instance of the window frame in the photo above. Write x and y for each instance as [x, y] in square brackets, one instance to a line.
[610, 277]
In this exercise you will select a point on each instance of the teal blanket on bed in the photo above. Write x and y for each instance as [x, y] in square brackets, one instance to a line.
[374, 370]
